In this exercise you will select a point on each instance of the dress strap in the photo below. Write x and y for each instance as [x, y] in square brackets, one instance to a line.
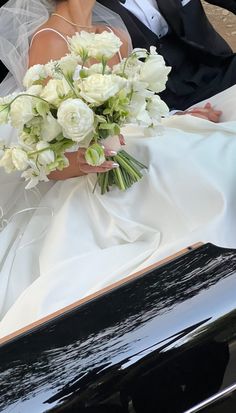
[51, 30]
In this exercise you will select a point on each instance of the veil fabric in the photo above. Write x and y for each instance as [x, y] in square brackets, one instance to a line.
[19, 20]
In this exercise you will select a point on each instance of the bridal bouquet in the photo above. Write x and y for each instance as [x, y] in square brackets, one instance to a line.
[79, 101]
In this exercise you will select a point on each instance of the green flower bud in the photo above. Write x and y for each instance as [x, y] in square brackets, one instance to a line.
[95, 155]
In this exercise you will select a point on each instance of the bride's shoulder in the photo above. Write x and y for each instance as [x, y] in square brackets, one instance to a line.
[47, 43]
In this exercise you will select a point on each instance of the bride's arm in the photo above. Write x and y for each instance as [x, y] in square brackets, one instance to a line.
[205, 112]
[79, 167]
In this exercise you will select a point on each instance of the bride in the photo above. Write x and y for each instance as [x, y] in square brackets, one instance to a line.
[62, 242]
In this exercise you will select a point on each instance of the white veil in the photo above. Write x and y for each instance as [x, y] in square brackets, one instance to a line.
[19, 20]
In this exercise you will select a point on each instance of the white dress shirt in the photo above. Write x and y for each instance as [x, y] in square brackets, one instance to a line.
[147, 12]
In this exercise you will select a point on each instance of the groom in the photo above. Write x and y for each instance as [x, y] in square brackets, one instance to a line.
[202, 62]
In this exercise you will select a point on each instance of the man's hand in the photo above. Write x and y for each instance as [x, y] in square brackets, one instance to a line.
[207, 112]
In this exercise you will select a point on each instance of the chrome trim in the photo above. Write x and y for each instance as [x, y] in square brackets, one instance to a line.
[211, 399]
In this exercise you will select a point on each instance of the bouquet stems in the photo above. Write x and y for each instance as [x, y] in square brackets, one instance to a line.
[128, 172]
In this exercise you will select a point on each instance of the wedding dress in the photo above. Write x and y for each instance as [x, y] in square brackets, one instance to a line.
[62, 242]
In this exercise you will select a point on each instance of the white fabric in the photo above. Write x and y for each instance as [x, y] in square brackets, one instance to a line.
[148, 13]
[78, 242]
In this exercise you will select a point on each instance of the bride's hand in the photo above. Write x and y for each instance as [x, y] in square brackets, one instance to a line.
[85, 168]
[207, 112]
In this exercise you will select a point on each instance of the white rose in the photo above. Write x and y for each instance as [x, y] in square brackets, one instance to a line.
[50, 128]
[156, 109]
[6, 161]
[80, 43]
[106, 45]
[4, 112]
[55, 90]
[129, 67]
[99, 88]
[47, 155]
[21, 111]
[98, 68]
[27, 141]
[66, 65]
[5, 100]
[19, 159]
[34, 74]
[155, 73]
[76, 119]
[35, 90]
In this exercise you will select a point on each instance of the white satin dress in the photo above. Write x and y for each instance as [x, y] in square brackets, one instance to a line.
[62, 242]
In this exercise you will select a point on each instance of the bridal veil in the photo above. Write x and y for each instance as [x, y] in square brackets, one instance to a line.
[19, 20]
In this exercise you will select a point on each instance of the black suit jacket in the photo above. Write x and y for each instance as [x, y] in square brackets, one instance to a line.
[202, 62]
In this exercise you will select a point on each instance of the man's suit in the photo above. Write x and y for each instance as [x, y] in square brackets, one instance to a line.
[202, 62]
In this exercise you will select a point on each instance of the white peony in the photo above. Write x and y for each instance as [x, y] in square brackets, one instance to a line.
[154, 72]
[98, 88]
[21, 111]
[55, 90]
[34, 74]
[76, 119]
[50, 128]
[46, 156]
[19, 159]
[106, 45]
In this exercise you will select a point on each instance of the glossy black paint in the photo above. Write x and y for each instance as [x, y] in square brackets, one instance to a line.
[160, 343]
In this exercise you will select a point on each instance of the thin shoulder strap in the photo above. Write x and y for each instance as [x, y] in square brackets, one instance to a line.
[49, 29]
[119, 54]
